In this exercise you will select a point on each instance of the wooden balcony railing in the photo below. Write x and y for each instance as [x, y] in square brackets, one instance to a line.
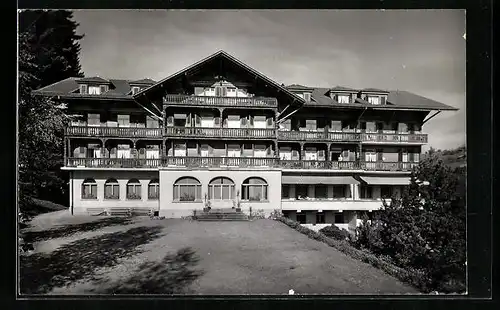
[113, 162]
[125, 132]
[249, 133]
[339, 136]
[212, 162]
[388, 166]
[241, 162]
[188, 100]
[319, 164]
[394, 137]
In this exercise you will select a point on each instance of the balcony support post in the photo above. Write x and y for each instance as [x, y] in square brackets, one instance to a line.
[66, 140]
[327, 153]
[221, 113]
[70, 151]
[302, 153]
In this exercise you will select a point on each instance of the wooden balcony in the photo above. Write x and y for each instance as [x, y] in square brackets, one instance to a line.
[319, 136]
[394, 138]
[113, 162]
[121, 132]
[203, 101]
[216, 162]
[388, 166]
[339, 136]
[239, 133]
[319, 164]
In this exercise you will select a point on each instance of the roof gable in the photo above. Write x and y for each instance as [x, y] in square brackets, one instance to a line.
[222, 55]
[93, 79]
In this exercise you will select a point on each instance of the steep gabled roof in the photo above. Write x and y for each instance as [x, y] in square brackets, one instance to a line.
[299, 87]
[342, 88]
[221, 54]
[374, 90]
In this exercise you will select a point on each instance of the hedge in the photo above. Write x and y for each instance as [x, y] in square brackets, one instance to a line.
[415, 278]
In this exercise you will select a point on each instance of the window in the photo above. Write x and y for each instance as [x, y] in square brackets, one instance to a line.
[151, 122]
[187, 189]
[339, 217]
[221, 188]
[134, 189]
[285, 191]
[386, 191]
[94, 90]
[300, 191]
[89, 189]
[254, 189]
[320, 218]
[336, 125]
[366, 192]
[103, 89]
[374, 100]
[93, 119]
[154, 189]
[320, 191]
[371, 127]
[307, 96]
[343, 98]
[311, 124]
[301, 218]
[111, 189]
[370, 156]
[123, 120]
[135, 90]
[220, 91]
[338, 191]
[83, 89]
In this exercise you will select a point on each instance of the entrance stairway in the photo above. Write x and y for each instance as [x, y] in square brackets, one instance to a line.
[221, 215]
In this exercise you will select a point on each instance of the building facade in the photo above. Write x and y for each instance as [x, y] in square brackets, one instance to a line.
[219, 131]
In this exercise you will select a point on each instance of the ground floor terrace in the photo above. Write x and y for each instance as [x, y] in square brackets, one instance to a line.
[310, 198]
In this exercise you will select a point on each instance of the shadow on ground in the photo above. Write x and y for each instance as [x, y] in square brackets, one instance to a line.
[172, 275]
[39, 273]
[67, 230]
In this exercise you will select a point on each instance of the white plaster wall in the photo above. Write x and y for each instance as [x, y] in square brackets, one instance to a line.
[361, 205]
[100, 176]
[169, 208]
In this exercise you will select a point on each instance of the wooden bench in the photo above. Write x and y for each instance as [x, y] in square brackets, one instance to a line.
[141, 211]
[119, 211]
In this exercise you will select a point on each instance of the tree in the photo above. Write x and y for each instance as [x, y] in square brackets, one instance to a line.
[48, 52]
[425, 228]
[53, 43]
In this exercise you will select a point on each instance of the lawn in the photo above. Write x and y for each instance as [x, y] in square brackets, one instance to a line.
[141, 255]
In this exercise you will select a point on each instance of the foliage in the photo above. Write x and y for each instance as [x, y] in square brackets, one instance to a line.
[48, 52]
[334, 232]
[259, 214]
[425, 228]
[276, 214]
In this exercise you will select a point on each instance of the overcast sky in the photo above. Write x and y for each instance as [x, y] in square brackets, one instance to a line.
[419, 51]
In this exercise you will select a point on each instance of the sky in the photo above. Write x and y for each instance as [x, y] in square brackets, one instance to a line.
[421, 51]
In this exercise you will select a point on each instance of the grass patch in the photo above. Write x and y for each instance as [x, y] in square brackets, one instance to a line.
[171, 275]
[78, 260]
[415, 278]
[68, 230]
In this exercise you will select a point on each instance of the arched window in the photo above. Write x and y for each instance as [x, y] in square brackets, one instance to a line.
[154, 189]
[221, 188]
[187, 189]
[89, 189]
[134, 189]
[254, 189]
[111, 189]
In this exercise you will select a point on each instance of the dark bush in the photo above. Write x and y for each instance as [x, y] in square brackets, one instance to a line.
[334, 232]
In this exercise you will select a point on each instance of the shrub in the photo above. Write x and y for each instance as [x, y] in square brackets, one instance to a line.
[368, 235]
[334, 232]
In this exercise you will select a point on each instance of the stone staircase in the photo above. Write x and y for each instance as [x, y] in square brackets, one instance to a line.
[221, 214]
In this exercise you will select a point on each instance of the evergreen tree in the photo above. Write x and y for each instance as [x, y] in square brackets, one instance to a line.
[48, 52]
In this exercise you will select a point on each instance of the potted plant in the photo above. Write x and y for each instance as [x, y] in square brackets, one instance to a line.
[207, 204]
[237, 202]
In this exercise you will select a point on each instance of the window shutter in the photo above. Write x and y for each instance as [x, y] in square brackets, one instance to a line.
[295, 154]
[103, 88]
[225, 122]
[345, 154]
[251, 120]
[198, 91]
[197, 120]
[224, 91]
[217, 121]
[382, 100]
[243, 122]
[321, 153]
[416, 157]
[83, 89]
[410, 157]
[270, 122]
[380, 156]
[269, 151]
[188, 120]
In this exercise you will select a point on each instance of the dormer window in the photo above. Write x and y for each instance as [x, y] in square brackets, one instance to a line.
[135, 90]
[343, 98]
[375, 100]
[307, 96]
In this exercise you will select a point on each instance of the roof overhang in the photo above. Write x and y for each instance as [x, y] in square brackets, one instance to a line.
[309, 179]
[386, 180]
[226, 56]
